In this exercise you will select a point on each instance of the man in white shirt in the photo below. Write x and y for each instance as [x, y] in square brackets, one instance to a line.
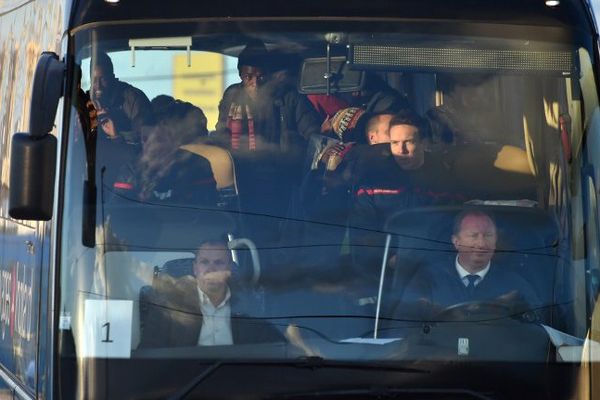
[201, 309]
[212, 268]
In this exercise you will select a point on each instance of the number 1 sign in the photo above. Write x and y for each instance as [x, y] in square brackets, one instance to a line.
[107, 329]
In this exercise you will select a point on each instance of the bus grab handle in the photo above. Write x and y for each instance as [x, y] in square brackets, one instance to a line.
[242, 242]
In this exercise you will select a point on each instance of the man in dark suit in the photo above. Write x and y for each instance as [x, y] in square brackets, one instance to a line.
[202, 309]
[472, 277]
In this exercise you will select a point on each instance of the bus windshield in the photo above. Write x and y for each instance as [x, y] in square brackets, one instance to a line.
[352, 191]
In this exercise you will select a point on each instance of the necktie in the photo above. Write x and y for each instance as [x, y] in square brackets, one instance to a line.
[471, 285]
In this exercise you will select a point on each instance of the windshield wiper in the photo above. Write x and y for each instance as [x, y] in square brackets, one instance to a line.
[312, 362]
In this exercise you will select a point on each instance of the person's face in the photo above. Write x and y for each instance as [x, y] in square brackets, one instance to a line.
[212, 266]
[252, 78]
[101, 82]
[475, 242]
[381, 133]
[406, 146]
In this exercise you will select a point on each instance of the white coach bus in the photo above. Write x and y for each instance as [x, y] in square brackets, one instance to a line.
[399, 198]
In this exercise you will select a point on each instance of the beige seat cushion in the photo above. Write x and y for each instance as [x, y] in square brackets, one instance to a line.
[220, 161]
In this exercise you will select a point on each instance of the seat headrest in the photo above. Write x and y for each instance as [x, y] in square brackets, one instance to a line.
[178, 267]
[220, 161]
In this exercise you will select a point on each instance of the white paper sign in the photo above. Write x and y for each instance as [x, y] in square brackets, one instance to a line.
[64, 323]
[107, 329]
[463, 346]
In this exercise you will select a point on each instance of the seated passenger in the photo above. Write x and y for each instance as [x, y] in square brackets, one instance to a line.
[265, 123]
[378, 128]
[257, 114]
[469, 276]
[347, 126]
[201, 310]
[122, 111]
[164, 172]
[335, 172]
[367, 128]
[407, 177]
[325, 193]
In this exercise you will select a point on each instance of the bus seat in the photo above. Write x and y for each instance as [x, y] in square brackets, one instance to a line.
[147, 232]
[513, 159]
[250, 299]
[223, 168]
[493, 171]
[178, 267]
[220, 161]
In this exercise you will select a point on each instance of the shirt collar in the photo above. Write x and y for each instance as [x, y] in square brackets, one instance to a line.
[462, 273]
[204, 300]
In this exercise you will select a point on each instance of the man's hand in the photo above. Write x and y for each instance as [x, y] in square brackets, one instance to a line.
[510, 297]
[216, 277]
[331, 156]
[326, 125]
[518, 305]
[92, 113]
[107, 124]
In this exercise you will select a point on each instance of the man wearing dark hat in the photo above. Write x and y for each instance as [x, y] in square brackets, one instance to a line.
[259, 113]
[265, 123]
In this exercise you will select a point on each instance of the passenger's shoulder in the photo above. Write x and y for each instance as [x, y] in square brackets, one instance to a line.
[232, 93]
[438, 161]
[289, 92]
[370, 153]
[130, 90]
[506, 273]
[233, 89]
[427, 276]
[376, 167]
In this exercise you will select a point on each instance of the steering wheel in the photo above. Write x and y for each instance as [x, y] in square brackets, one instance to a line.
[477, 309]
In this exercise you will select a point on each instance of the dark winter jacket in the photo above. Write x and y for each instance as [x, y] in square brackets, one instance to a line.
[284, 119]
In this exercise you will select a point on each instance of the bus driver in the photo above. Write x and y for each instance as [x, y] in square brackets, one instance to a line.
[472, 276]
